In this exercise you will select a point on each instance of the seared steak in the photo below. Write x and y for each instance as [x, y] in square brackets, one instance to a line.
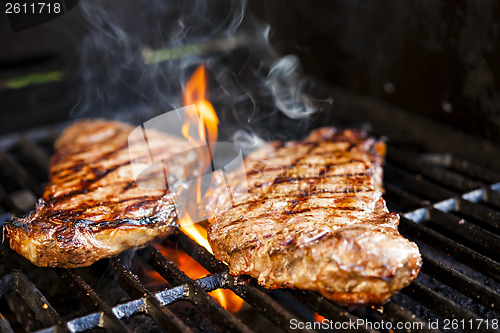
[313, 218]
[92, 207]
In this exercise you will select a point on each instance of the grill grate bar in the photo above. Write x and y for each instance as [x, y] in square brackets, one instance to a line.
[32, 150]
[462, 166]
[484, 214]
[90, 299]
[136, 306]
[36, 301]
[466, 230]
[195, 293]
[200, 254]
[442, 305]
[404, 198]
[437, 173]
[254, 296]
[415, 183]
[492, 196]
[20, 174]
[163, 316]
[454, 249]
[395, 313]
[462, 283]
[473, 170]
[80, 324]
[22, 312]
[7, 201]
[263, 303]
[45, 313]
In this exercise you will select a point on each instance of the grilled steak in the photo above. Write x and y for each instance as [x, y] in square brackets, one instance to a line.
[92, 207]
[313, 218]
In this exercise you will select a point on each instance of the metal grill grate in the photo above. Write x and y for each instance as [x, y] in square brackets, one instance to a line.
[453, 213]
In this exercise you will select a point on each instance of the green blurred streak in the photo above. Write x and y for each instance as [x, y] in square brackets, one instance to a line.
[33, 78]
[155, 56]
[151, 57]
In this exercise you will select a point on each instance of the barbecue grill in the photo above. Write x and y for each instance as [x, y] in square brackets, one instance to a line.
[444, 182]
[451, 209]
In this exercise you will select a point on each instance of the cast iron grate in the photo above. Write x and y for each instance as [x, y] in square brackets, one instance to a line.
[453, 214]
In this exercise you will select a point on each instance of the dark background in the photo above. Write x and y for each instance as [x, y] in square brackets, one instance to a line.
[439, 59]
[436, 59]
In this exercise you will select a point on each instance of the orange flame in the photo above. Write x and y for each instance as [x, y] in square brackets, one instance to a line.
[226, 298]
[202, 119]
[319, 318]
[195, 231]
[195, 93]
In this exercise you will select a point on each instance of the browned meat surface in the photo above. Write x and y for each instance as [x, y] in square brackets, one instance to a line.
[92, 207]
[314, 218]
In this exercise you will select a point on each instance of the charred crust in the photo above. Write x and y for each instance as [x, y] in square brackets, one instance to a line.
[17, 223]
[69, 246]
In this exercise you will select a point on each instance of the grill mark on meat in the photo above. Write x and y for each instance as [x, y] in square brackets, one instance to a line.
[314, 231]
[77, 167]
[313, 146]
[95, 171]
[304, 210]
[301, 195]
[281, 180]
[144, 221]
[265, 168]
[97, 175]
[67, 216]
[346, 190]
[310, 209]
[69, 222]
[82, 147]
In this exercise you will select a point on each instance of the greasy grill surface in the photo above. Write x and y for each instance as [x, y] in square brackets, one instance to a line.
[460, 276]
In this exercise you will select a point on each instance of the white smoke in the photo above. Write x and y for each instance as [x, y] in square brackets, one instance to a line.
[137, 57]
[247, 141]
[287, 86]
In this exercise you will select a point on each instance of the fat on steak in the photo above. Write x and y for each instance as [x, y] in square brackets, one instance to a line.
[313, 218]
[92, 207]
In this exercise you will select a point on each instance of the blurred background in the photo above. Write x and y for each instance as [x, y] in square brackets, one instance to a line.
[433, 59]
[422, 75]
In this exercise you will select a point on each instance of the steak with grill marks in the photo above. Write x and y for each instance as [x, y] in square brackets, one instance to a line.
[313, 218]
[92, 207]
